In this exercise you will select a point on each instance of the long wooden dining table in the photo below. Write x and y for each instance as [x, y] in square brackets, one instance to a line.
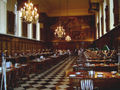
[14, 73]
[107, 61]
[102, 80]
[96, 67]
[39, 65]
[18, 70]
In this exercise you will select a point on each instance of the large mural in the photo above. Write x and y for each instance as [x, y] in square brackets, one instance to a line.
[80, 28]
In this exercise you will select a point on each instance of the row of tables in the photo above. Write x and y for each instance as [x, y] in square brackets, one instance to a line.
[95, 74]
[18, 70]
[22, 58]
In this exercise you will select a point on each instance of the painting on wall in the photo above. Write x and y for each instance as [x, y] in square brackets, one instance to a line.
[78, 27]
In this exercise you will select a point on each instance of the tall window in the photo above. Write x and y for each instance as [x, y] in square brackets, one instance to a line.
[104, 16]
[15, 26]
[34, 31]
[111, 14]
[102, 31]
[10, 22]
[24, 29]
[100, 15]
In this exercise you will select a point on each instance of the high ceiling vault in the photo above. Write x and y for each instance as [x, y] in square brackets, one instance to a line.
[59, 7]
[63, 7]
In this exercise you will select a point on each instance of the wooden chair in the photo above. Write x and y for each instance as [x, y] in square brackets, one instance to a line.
[86, 84]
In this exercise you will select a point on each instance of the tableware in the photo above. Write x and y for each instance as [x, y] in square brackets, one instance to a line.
[38, 59]
[8, 64]
[41, 57]
[77, 73]
[16, 64]
[23, 64]
[72, 75]
[0, 68]
[99, 74]
[113, 72]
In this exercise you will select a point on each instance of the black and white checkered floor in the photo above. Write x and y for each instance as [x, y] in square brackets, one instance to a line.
[52, 79]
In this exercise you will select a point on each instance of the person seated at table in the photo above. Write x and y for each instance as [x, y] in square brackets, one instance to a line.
[69, 52]
[8, 64]
[41, 57]
[54, 55]
[60, 52]
[79, 52]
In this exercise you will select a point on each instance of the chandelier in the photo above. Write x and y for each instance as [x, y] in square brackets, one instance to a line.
[59, 32]
[29, 13]
[68, 38]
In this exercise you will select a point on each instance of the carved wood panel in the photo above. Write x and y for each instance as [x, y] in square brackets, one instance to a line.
[14, 44]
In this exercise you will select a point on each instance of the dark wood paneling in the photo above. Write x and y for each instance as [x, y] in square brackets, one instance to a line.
[71, 45]
[112, 39]
[42, 34]
[14, 44]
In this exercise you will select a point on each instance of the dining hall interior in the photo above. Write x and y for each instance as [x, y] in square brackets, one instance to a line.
[59, 44]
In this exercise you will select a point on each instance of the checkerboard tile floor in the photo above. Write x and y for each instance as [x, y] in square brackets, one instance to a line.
[51, 79]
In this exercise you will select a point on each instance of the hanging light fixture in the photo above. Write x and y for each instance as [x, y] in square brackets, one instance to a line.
[59, 31]
[29, 13]
[67, 38]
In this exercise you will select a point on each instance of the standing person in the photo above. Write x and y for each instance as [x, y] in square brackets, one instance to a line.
[69, 52]
[79, 52]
